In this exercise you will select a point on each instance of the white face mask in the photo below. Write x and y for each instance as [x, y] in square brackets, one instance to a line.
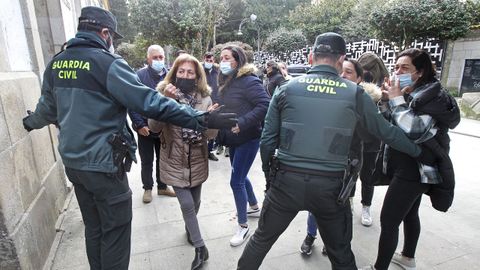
[111, 49]
[208, 65]
[158, 65]
[226, 68]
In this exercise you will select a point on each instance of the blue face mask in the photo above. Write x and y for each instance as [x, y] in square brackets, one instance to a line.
[405, 80]
[226, 68]
[208, 65]
[158, 65]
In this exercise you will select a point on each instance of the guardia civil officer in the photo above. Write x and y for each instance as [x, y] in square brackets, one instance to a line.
[86, 91]
[311, 121]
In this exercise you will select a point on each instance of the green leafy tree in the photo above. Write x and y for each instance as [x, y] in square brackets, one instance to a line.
[271, 14]
[321, 16]
[119, 8]
[215, 13]
[185, 24]
[283, 40]
[473, 7]
[401, 22]
[357, 26]
[134, 53]
[168, 22]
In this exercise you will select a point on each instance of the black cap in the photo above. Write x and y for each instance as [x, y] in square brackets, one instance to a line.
[330, 43]
[99, 16]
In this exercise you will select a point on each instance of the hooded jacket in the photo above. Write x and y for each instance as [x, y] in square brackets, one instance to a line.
[244, 95]
[436, 102]
[182, 164]
[433, 112]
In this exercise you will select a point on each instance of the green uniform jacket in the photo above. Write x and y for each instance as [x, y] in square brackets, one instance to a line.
[87, 91]
[311, 121]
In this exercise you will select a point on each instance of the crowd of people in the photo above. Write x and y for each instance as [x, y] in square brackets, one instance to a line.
[375, 127]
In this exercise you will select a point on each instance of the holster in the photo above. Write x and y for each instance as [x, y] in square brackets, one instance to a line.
[270, 177]
[120, 148]
[349, 181]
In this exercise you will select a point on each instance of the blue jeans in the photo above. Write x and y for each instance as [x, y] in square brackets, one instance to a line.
[311, 225]
[241, 159]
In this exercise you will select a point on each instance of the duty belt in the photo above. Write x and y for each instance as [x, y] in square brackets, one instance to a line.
[287, 168]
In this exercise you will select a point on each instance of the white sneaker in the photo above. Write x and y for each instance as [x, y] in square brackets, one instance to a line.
[405, 262]
[240, 236]
[366, 217]
[253, 212]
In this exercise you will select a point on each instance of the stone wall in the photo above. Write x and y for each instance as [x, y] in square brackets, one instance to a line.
[457, 52]
[33, 184]
[33, 189]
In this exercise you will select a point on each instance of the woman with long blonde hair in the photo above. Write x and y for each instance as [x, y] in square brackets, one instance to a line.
[184, 155]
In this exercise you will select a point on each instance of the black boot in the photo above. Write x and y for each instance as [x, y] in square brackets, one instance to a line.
[201, 255]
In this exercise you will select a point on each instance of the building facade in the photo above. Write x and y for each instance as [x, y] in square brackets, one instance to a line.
[33, 186]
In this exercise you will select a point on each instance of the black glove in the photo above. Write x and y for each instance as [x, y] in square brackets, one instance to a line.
[427, 157]
[219, 120]
[25, 126]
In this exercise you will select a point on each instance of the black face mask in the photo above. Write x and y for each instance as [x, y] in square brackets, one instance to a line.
[185, 85]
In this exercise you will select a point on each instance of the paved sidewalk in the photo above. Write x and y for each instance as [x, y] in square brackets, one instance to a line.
[468, 127]
[448, 240]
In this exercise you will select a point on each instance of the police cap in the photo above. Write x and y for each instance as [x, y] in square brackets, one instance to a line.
[101, 17]
[330, 43]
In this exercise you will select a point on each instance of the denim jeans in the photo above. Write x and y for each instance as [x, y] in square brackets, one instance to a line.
[311, 225]
[241, 159]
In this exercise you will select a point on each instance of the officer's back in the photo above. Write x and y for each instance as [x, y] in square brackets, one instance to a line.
[311, 122]
[318, 118]
[312, 118]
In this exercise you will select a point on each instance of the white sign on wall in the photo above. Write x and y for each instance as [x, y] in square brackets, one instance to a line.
[69, 18]
[12, 29]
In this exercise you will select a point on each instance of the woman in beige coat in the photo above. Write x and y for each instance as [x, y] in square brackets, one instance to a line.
[184, 155]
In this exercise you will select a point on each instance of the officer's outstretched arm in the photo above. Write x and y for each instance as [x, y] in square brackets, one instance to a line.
[46, 110]
[375, 123]
[123, 84]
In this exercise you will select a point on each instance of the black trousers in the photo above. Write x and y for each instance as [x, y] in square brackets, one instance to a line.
[368, 166]
[149, 148]
[401, 203]
[290, 193]
[105, 202]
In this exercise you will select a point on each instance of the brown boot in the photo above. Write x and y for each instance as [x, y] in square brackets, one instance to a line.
[167, 192]
[147, 196]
